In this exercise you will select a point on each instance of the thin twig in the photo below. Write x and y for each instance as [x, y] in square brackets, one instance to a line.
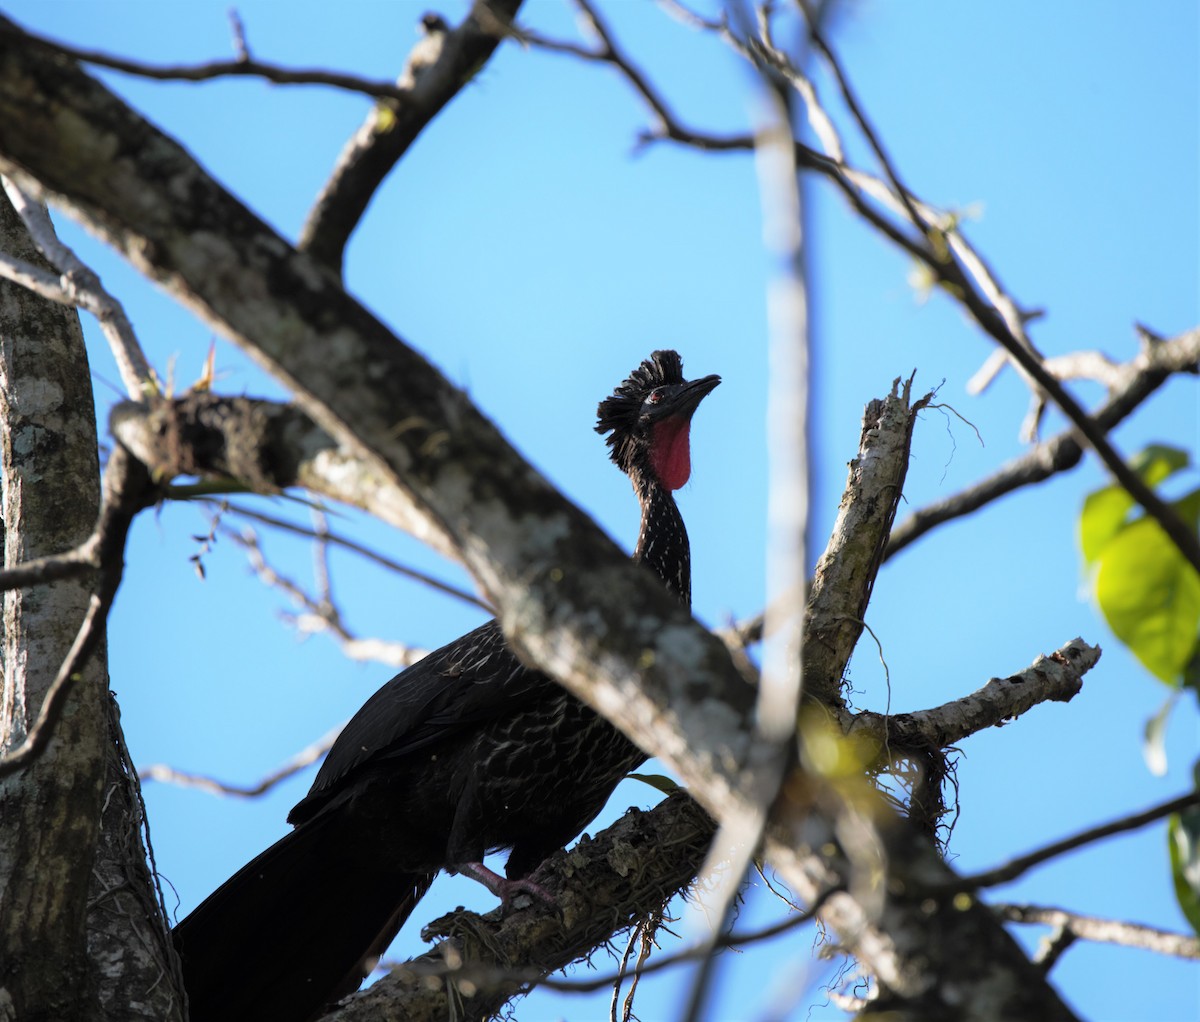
[240, 68]
[166, 774]
[1142, 376]
[345, 543]
[1023, 863]
[321, 615]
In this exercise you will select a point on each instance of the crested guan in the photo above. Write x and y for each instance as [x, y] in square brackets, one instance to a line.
[465, 752]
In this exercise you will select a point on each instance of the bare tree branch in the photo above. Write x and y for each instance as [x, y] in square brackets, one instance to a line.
[601, 886]
[242, 67]
[304, 758]
[1023, 863]
[322, 615]
[438, 68]
[1054, 678]
[684, 701]
[363, 551]
[1131, 384]
[81, 287]
[1108, 931]
[64, 840]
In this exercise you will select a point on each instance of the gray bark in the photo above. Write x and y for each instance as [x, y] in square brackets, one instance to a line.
[567, 598]
[51, 810]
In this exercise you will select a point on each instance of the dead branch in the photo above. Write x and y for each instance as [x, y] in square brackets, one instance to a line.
[1108, 931]
[79, 285]
[1131, 384]
[438, 68]
[1054, 678]
[304, 758]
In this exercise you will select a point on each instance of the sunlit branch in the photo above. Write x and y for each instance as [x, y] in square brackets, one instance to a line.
[346, 543]
[1107, 931]
[79, 286]
[166, 774]
[320, 615]
[439, 66]
[1132, 384]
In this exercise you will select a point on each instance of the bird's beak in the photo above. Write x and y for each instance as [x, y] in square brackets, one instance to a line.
[684, 397]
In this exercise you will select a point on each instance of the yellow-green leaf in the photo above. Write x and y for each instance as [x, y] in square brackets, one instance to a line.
[1103, 515]
[1183, 839]
[659, 781]
[1150, 596]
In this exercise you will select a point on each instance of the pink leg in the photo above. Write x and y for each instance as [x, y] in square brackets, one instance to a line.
[501, 887]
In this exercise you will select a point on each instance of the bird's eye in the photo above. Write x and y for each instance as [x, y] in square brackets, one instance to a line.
[655, 397]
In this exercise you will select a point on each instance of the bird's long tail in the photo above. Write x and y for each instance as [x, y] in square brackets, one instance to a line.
[293, 930]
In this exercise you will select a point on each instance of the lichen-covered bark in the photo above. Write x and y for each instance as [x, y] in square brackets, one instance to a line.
[51, 809]
[568, 599]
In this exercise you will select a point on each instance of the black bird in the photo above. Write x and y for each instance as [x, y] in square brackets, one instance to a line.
[465, 752]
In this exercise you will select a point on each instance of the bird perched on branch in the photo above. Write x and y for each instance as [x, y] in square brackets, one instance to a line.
[465, 752]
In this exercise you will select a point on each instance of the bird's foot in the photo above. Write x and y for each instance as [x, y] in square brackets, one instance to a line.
[503, 888]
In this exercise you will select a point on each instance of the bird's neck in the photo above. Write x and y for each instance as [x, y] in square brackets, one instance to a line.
[663, 541]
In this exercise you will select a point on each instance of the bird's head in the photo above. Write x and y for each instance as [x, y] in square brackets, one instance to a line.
[648, 419]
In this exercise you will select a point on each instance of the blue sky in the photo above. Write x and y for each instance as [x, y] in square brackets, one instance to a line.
[527, 251]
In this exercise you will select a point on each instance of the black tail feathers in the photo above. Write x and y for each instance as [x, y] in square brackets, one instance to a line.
[292, 931]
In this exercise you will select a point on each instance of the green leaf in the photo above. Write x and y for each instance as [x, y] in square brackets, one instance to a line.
[1151, 598]
[1103, 516]
[1104, 512]
[1158, 462]
[658, 781]
[1183, 839]
[1188, 508]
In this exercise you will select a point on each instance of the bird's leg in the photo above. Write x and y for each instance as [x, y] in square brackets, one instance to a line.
[504, 889]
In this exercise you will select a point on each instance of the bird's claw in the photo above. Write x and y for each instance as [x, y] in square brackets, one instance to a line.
[503, 888]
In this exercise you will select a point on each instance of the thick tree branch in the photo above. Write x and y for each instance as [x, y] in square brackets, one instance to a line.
[51, 810]
[641, 660]
[438, 68]
[601, 886]
[845, 574]
[126, 485]
[82, 288]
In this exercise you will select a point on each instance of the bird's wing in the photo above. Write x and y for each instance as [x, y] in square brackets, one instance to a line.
[467, 681]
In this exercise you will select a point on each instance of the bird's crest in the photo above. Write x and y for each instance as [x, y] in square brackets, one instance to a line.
[618, 414]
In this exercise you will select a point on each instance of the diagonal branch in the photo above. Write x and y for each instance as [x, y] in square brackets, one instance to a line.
[640, 660]
[438, 68]
[1108, 931]
[294, 764]
[1023, 863]
[242, 67]
[1131, 384]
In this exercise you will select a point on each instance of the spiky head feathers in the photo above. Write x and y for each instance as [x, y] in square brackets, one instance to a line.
[647, 419]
